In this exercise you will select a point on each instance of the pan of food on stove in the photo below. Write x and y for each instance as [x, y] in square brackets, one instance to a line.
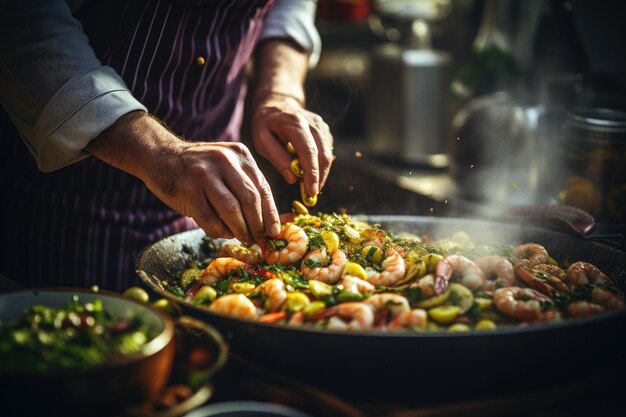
[444, 307]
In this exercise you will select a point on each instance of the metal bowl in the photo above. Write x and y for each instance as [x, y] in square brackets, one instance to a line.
[100, 389]
[246, 409]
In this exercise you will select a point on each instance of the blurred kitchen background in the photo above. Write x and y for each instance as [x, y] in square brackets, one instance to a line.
[468, 107]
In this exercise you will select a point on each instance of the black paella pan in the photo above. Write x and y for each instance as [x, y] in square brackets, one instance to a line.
[437, 366]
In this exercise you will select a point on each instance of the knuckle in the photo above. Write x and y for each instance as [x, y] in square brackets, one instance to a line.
[230, 208]
[264, 188]
[240, 148]
[251, 197]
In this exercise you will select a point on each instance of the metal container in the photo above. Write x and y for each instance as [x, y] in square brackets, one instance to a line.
[406, 107]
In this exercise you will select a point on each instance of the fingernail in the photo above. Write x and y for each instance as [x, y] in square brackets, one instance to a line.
[274, 230]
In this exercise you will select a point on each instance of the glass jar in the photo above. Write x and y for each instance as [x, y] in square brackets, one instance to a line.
[592, 152]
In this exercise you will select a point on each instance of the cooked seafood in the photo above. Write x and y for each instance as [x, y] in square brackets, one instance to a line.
[332, 272]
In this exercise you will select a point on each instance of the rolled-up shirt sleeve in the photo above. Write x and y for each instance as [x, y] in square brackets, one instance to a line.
[295, 19]
[53, 87]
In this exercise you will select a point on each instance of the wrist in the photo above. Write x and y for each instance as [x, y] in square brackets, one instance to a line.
[279, 72]
[135, 143]
[265, 96]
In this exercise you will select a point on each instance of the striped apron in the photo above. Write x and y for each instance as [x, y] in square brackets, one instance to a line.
[85, 224]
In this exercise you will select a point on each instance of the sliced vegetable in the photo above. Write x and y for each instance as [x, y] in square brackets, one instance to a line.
[296, 168]
[460, 296]
[434, 301]
[308, 200]
[483, 303]
[354, 269]
[299, 208]
[313, 308]
[444, 314]
[243, 287]
[331, 240]
[345, 296]
[415, 267]
[296, 301]
[372, 254]
[189, 276]
[320, 289]
[485, 324]
[431, 260]
[352, 234]
[458, 328]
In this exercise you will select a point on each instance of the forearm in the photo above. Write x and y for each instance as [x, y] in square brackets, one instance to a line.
[140, 145]
[56, 91]
[280, 69]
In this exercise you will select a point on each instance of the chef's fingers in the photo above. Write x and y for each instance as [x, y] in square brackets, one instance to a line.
[269, 212]
[324, 141]
[248, 184]
[210, 222]
[194, 202]
[272, 149]
[228, 208]
[294, 128]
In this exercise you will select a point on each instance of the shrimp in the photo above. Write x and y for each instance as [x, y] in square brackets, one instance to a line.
[394, 269]
[520, 303]
[541, 281]
[471, 274]
[531, 254]
[219, 268]
[296, 319]
[351, 283]
[582, 308]
[607, 299]
[236, 305]
[580, 273]
[293, 246]
[251, 255]
[395, 303]
[426, 284]
[601, 300]
[328, 274]
[274, 290]
[550, 269]
[374, 237]
[360, 316]
[411, 319]
[550, 316]
[498, 266]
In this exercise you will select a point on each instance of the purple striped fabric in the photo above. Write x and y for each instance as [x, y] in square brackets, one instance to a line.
[86, 223]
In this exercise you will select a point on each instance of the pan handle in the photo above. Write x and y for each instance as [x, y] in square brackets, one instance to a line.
[557, 217]
[563, 218]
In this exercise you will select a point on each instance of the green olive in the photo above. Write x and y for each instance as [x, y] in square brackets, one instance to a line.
[188, 277]
[205, 295]
[168, 307]
[138, 294]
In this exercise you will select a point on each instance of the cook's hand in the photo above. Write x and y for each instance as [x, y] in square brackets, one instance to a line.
[218, 184]
[280, 119]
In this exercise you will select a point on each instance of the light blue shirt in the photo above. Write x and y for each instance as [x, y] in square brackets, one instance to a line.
[60, 96]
